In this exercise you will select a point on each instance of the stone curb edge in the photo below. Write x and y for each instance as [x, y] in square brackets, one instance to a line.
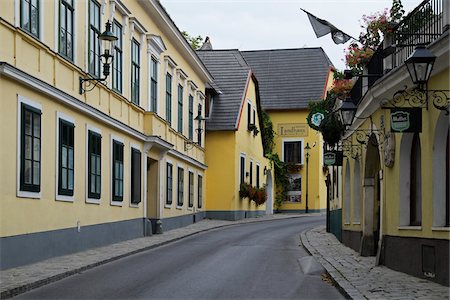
[36, 284]
[343, 285]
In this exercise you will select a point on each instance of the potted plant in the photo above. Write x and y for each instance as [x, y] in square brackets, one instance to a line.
[244, 190]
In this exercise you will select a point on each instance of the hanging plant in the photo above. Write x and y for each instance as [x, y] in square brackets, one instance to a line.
[332, 129]
[244, 190]
[260, 196]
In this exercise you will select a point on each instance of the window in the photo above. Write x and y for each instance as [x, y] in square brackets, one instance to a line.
[135, 176]
[292, 152]
[29, 16]
[257, 176]
[94, 42]
[191, 189]
[30, 162]
[180, 108]
[199, 133]
[200, 192]
[169, 98]
[191, 117]
[180, 189]
[254, 116]
[153, 85]
[94, 164]
[117, 170]
[135, 67]
[242, 170]
[249, 115]
[251, 172]
[117, 60]
[66, 158]
[66, 10]
[169, 184]
[415, 183]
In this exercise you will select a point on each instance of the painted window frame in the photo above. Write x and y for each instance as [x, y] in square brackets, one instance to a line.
[154, 84]
[191, 184]
[293, 140]
[169, 184]
[24, 102]
[93, 197]
[180, 187]
[38, 7]
[191, 117]
[135, 184]
[93, 38]
[135, 71]
[61, 193]
[199, 132]
[68, 7]
[117, 64]
[169, 98]
[249, 115]
[117, 155]
[199, 191]
[250, 172]
[180, 109]
[242, 162]
[258, 175]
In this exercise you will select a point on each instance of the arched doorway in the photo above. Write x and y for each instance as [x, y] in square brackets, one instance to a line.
[371, 199]
[269, 191]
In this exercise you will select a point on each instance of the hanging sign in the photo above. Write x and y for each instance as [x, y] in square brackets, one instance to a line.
[406, 120]
[332, 158]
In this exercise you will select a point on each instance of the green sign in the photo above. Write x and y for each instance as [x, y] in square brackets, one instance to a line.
[332, 158]
[406, 120]
[316, 119]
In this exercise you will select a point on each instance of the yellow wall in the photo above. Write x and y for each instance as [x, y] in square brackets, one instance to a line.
[317, 188]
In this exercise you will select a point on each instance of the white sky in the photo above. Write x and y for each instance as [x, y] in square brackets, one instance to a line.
[273, 24]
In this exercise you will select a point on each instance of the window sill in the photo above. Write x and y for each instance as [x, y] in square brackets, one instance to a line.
[179, 207]
[134, 205]
[64, 198]
[169, 206]
[93, 201]
[116, 203]
[190, 208]
[32, 195]
[441, 228]
[347, 223]
[416, 228]
[356, 223]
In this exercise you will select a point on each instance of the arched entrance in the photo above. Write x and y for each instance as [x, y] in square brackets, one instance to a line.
[269, 191]
[371, 199]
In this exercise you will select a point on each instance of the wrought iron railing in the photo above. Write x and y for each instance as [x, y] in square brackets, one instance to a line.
[422, 26]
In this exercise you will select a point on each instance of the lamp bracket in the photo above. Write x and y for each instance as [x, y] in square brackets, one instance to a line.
[351, 150]
[82, 90]
[419, 97]
[188, 145]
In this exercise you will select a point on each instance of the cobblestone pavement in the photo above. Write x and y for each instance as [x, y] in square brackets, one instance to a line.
[21, 279]
[359, 278]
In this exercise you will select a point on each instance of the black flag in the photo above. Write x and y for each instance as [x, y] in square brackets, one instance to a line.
[322, 27]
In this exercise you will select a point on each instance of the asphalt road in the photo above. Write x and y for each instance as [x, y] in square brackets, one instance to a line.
[248, 261]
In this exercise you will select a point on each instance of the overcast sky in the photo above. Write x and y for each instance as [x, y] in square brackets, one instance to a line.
[273, 24]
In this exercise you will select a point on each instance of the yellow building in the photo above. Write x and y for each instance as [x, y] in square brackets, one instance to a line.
[396, 190]
[234, 146]
[289, 79]
[87, 164]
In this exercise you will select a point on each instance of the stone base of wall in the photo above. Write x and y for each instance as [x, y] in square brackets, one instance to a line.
[181, 221]
[352, 239]
[420, 257]
[234, 215]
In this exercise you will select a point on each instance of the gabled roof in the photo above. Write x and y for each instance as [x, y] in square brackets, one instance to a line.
[289, 78]
[231, 73]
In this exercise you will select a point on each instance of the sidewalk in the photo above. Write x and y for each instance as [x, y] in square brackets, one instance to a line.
[358, 276]
[21, 279]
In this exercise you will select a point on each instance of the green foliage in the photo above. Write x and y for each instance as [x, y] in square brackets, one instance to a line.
[268, 134]
[397, 11]
[195, 42]
[257, 195]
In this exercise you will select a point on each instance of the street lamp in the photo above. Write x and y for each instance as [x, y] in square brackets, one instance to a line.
[347, 111]
[190, 144]
[420, 64]
[307, 148]
[107, 37]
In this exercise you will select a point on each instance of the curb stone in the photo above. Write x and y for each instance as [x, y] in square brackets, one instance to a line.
[22, 288]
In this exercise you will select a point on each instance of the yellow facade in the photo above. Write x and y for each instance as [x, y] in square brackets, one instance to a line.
[33, 71]
[224, 152]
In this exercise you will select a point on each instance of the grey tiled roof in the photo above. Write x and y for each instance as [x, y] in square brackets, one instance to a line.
[230, 72]
[289, 78]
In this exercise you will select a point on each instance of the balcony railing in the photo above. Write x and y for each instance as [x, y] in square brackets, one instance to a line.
[423, 25]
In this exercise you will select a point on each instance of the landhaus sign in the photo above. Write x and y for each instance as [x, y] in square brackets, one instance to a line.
[293, 129]
[406, 120]
[332, 158]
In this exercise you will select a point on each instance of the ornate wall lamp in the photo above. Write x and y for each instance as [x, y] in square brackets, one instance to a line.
[419, 65]
[190, 144]
[106, 58]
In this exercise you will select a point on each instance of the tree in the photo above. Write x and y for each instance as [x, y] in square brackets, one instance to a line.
[195, 42]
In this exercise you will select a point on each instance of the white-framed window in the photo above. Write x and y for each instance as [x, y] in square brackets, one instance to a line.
[191, 189]
[258, 175]
[29, 141]
[93, 164]
[250, 171]
[249, 115]
[180, 187]
[65, 157]
[94, 46]
[66, 28]
[31, 17]
[242, 168]
[292, 150]
[117, 170]
[117, 64]
[199, 191]
[169, 184]
[154, 72]
[155, 48]
[135, 175]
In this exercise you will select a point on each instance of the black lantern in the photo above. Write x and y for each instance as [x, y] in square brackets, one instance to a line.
[347, 112]
[420, 64]
[107, 37]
